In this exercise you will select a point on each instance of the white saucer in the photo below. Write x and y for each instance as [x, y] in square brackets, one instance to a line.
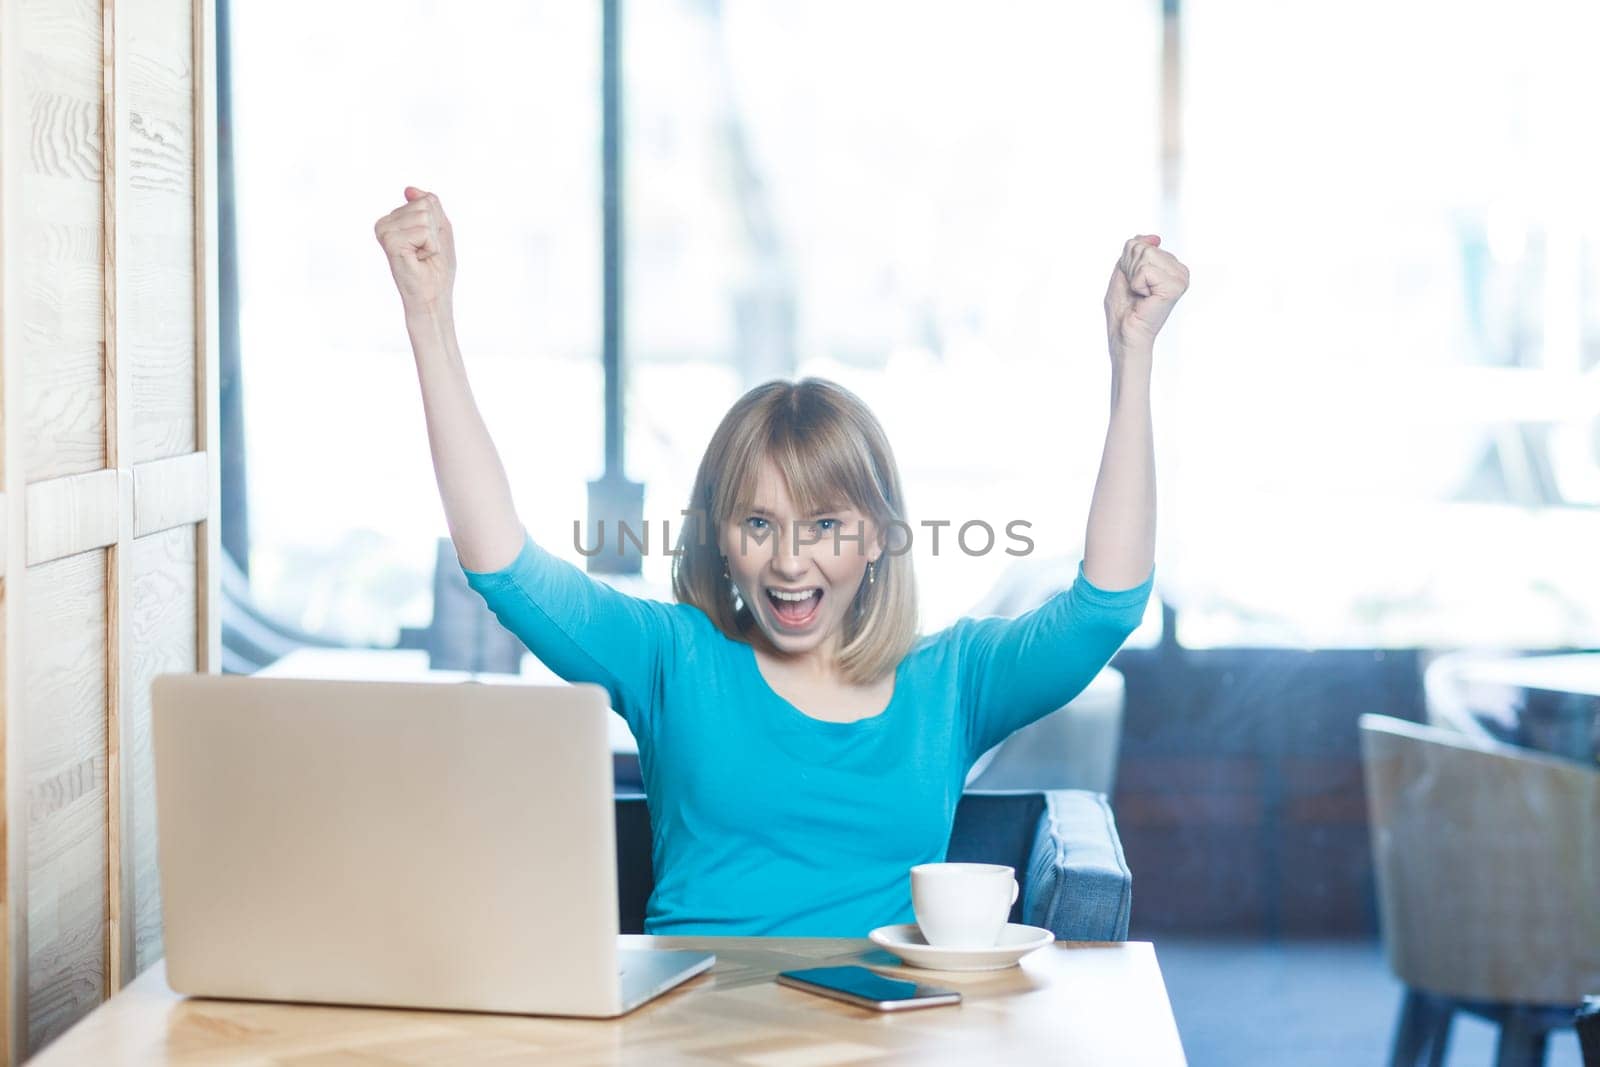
[907, 942]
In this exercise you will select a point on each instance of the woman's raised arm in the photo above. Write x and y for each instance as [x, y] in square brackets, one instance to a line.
[1120, 544]
[478, 507]
[581, 628]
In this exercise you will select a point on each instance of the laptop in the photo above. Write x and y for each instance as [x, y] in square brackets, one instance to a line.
[405, 844]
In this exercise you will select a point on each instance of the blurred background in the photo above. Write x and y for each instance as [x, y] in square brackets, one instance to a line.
[1377, 409]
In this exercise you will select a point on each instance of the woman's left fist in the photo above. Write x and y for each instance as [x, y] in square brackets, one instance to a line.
[1146, 283]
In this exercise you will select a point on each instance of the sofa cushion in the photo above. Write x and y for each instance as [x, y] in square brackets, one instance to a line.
[1078, 882]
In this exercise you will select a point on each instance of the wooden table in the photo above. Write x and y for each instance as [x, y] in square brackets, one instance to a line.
[1078, 1003]
[1577, 673]
[1559, 706]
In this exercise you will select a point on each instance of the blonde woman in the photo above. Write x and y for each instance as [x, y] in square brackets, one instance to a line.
[801, 744]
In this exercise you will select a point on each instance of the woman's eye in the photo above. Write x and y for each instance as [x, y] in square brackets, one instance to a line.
[835, 525]
[752, 520]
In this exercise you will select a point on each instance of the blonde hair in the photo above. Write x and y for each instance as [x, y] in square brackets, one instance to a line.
[826, 444]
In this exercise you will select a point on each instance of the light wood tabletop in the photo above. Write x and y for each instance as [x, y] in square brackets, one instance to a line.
[1078, 1003]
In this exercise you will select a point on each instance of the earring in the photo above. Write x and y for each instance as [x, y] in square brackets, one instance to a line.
[725, 573]
[872, 572]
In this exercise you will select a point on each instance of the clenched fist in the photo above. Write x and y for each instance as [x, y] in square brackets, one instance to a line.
[1145, 284]
[417, 239]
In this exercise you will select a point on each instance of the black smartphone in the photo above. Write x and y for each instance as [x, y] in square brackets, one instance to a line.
[867, 989]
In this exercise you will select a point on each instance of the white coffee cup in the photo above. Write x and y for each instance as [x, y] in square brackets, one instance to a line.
[962, 905]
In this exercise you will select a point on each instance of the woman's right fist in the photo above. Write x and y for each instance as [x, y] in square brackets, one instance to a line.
[421, 249]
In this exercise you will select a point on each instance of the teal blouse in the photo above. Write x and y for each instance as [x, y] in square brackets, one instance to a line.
[766, 821]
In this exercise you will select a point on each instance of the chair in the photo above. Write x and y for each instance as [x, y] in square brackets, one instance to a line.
[1073, 747]
[1589, 1031]
[251, 637]
[1063, 844]
[1488, 866]
[464, 634]
[1477, 709]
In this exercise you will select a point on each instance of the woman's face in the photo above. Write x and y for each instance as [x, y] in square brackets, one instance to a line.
[798, 574]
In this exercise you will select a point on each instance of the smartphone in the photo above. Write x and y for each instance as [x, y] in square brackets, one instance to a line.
[867, 989]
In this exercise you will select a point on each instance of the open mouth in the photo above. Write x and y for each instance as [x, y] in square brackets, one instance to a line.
[795, 611]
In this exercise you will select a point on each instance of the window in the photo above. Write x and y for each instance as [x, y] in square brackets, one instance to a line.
[1386, 402]
[336, 109]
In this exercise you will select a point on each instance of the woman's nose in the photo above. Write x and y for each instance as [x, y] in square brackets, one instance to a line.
[788, 564]
[791, 554]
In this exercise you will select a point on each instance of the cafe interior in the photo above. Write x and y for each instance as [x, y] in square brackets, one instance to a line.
[1341, 785]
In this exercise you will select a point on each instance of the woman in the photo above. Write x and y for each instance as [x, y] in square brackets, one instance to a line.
[802, 747]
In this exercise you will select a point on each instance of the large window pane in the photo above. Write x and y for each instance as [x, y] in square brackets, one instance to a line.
[494, 106]
[1386, 418]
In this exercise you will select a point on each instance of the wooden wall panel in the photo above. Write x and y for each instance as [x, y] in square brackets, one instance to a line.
[156, 271]
[63, 694]
[170, 492]
[54, 241]
[12, 944]
[71, 514]
[108, 475]
[161, 622]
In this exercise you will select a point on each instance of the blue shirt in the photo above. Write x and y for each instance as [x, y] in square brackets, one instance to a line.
[766, 821]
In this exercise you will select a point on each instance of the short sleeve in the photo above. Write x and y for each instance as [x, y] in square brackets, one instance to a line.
[1013, 671]
[585, 630]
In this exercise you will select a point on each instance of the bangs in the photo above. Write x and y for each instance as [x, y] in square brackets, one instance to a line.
[823, 467]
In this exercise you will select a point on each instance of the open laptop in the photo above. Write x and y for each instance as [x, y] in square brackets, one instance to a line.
[407, 844]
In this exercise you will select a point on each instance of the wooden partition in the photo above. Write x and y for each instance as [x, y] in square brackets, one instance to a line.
[108, 518]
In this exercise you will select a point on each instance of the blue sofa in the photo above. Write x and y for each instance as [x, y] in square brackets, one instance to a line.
[1062, 842]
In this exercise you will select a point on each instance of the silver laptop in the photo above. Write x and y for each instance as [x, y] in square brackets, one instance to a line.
[408, 844]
